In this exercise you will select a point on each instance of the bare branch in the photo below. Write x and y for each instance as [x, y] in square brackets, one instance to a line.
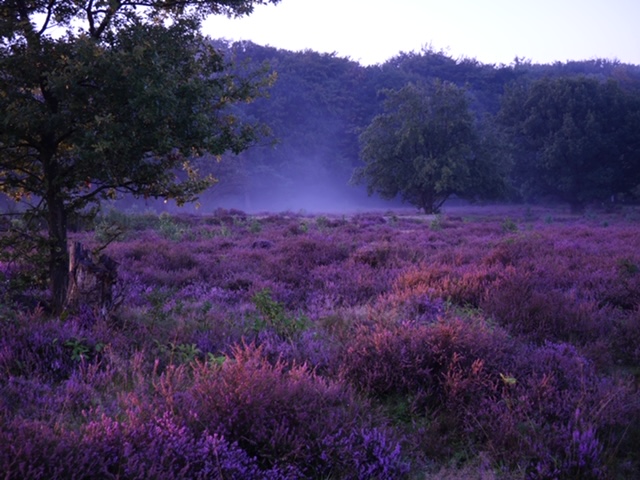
[45, 25]
[108, 13]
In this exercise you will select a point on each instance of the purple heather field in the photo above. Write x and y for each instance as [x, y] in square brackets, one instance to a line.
[493, 343]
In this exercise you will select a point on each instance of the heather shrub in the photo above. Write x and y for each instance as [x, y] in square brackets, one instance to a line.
[557, 416]
[518, 250]
[288, 416]
[161, 447]
[626, 339]
[376, 255]
[240, 418]
[416, 303]
[624, 290]
[28, 397]
[523, 301]
[46, 350]
[313, 347]
[425, 361]
[158, 261]
[288, 346]
[345, 285]
[464, 285]
[541, 407]
[364, 220]
[292, 261]
[33, 450]
[428, 375]
[131, 449]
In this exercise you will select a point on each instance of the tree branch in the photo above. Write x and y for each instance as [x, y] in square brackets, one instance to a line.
[45, 25]
[106, 20]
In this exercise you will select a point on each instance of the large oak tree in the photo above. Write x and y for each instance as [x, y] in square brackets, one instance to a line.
[427, 146]
[106, 96]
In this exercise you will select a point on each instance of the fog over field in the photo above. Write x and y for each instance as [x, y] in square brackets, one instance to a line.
[321, 196]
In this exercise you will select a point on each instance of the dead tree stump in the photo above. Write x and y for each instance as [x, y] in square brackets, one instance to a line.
[92, 283]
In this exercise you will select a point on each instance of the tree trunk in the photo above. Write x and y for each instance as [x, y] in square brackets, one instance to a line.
[91, 283]
[429, 210]
[57, 227]
[58, 252]
[426, 203]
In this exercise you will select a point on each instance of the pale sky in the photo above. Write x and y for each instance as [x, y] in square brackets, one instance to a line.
[491, 31]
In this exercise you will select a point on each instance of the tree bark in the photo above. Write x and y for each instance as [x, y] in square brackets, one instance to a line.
[91, 283]
[58, 251]
[56, 216]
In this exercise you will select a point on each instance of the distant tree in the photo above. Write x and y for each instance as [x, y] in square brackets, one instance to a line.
[579, 138]
[103, 96]
[426, 146]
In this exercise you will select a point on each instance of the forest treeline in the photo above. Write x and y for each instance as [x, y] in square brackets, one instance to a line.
[319, 104]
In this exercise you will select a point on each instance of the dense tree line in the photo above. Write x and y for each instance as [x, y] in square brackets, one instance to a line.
[320, 105]
[578, 139]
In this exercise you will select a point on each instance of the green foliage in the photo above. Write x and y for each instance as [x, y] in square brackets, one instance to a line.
[529, 215]
[322, 222]
[180, 352]
[158, 317]
[119, 100]
[255, 226]
[225, 231]
[319, 143]
[23, 245]
[628, 267]
[187, 352]
[436, 223]
[128, 220]
[316, 144]
[206, 307]
[169, 228]
[509, 226]
[579, 138]
[426, 147]
[107, 230]
[216, 360]
[273, 315]
[81, 350]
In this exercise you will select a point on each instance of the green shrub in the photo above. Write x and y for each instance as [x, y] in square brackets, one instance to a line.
[273, 315]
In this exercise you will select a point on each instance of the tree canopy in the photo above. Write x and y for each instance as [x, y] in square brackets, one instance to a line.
[102, 96]
[320, 103]
[579, 138]
[426, 147]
